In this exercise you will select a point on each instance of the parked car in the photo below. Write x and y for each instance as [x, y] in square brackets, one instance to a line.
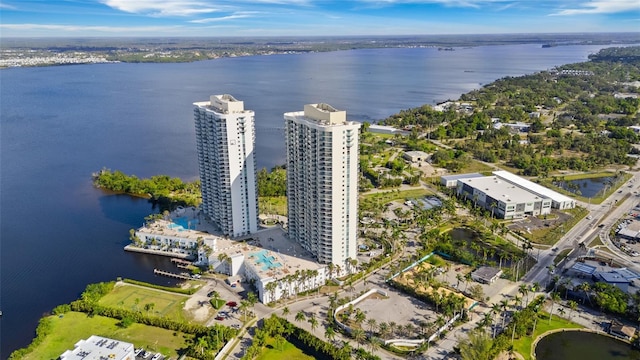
[156, 356]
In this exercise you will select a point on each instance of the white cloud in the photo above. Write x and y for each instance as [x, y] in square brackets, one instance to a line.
[87, 28]
[602, 7]
[238, 15]
[161, 7]
[7, 6]
[449, 3]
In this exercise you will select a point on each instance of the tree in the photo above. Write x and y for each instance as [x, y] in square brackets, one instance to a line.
[371, 322]
[524, 290]
[554, 298]
[202, 344]
[330, 333]
[300, 317]
[285, 311]
[477, 346]
[573, 306]
[359, 336]
[148, 307]
[476, 292]
[313, 322]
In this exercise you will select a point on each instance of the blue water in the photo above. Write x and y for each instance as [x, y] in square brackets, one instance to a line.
[268, 262]
[60, 124]
[588, 187]
[186, 223]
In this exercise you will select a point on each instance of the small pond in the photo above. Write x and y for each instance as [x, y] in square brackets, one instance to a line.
[587, 187]
[578, 345]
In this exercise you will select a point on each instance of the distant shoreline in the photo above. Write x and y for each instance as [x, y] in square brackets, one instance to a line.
[31, 52]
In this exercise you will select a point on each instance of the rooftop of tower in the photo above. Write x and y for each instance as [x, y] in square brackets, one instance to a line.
[224, 104]
[325, 114]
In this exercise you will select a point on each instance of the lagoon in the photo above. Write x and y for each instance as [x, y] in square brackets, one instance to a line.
[579, 345]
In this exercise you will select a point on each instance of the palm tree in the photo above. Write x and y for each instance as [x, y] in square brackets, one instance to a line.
[329, 333]
[359, 336]
[554, 298]
[561, 311]
[300, 316]
[573, 306]
[524, 290]
[313, 322]
[495, 309]
[224, 258]
[371, 322]
[285, 311]
[504, 305]
[374, 344]
[383, 330]
[202, 344]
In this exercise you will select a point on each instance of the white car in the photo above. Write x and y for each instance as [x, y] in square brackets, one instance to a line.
[156, 356]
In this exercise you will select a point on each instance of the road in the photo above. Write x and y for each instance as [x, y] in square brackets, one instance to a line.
[587, 229]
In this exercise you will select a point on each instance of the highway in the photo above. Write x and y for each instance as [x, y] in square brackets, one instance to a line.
[607, 213]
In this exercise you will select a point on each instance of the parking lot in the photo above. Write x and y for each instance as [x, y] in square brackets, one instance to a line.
[142, 354]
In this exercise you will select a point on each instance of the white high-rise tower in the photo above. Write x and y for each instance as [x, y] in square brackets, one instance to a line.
[225, 137]
[322, 182]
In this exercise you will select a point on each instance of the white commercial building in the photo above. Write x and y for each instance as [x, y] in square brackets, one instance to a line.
[559, 201]
[502, 198]
[225, 137]
[322, 182]
[100, 348]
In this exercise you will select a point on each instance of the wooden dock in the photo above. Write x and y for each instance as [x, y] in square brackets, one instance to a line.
[180, 261]
[170, 274]
[182, 264]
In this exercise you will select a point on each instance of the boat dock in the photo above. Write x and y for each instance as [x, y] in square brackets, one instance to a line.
[183, 264]
[134, 248]
[170, 274]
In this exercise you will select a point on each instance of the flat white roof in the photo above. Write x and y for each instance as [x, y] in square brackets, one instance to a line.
[501, 190]
[531, 186]
[461, 176]
[97, 348]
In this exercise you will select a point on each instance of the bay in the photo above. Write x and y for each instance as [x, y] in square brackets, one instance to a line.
[60, 124]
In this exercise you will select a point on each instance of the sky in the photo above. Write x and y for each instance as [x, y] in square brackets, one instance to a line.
[216, 18]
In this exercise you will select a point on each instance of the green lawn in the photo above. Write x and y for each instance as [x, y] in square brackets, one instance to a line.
[474, 166]
[392, 195]
[73, 326]
[273, 205]
[523, 345]
[135, 298]
[284, 351]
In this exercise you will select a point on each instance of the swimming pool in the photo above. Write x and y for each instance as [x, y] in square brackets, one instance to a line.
[267, 262]
[183, 223]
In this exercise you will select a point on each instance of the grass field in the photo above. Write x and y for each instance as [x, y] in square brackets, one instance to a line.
[392, 195]
[273, 205]
[523, 345]
[135, 298]
[73, 326]
[284, 351]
